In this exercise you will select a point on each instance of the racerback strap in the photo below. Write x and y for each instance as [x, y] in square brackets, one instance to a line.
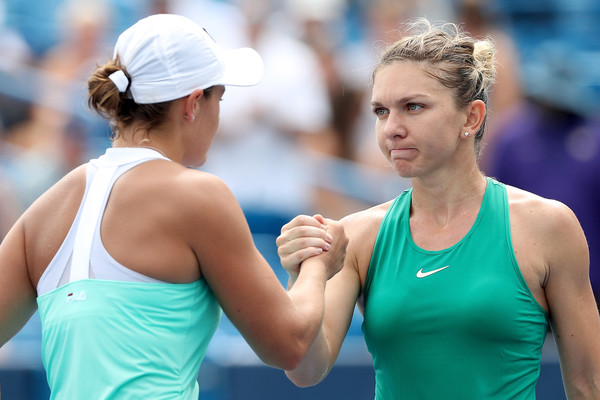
[80, 263]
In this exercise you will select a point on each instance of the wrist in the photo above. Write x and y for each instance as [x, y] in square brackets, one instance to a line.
[313, 267]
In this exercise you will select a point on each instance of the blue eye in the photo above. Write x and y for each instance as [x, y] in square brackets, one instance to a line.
[379, 111]
[414, 107]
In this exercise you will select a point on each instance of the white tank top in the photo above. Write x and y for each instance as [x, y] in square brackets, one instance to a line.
[83, 242]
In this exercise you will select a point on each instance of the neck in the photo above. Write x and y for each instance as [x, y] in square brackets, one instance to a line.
[147, 146]
[447, 207]
[449, 193]
[145, 143]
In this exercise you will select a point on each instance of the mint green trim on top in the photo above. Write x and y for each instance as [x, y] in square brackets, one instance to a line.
[114, 340]
[459, 323]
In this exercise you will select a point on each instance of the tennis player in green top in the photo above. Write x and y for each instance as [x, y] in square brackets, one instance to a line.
[132, 256]
[460, 276]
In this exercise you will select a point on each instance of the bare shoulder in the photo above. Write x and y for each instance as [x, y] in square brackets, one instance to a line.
[203, 191]
[539, 213]
[182, 189]
[546, 232]
[198, 198]
[56, 208]
[180, 217]
[362, 222]
[362, 228]
[72, 185]
[46, 222]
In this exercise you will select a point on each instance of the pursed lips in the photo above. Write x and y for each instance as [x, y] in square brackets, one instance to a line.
[403, 152]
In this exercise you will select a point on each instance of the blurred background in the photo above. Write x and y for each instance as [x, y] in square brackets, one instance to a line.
[302, 141]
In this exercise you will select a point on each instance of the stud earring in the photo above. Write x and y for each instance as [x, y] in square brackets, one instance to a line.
[466, 133]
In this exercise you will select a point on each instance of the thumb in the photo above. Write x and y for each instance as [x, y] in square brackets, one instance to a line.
[319, 218]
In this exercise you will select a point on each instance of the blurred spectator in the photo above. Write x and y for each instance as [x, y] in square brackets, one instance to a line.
[46, 139]
[321, 26]
[14, 50]
[551, 146]
[260, 153]
[25, 160]
[223, 20]
[83, 40]
[34, 20]
[85, 26]
[14, 53]
[481, 21]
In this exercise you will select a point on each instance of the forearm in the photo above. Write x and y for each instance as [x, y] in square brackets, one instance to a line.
[308, 297]
[284, 324]
[309, 300]
[315, 365]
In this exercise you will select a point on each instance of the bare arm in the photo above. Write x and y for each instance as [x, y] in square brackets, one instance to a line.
[280, 326]
[340, 298]
[17, 294]
[573, 310]
[297, 240]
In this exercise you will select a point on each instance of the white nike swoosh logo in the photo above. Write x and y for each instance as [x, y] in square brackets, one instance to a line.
[421, 274]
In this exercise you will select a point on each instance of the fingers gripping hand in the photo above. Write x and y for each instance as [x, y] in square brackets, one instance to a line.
[301, 238]
[336, 255]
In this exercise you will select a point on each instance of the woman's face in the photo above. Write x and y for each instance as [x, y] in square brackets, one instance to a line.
[418, 123]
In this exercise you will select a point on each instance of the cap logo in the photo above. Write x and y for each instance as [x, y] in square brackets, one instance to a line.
[209, 35]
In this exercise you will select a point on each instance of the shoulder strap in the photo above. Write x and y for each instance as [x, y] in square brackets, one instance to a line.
[80, 263]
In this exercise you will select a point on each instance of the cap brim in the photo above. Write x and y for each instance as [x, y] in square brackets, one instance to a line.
[241, 67]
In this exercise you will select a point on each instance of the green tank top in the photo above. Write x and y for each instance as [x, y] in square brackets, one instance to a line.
[459, 323]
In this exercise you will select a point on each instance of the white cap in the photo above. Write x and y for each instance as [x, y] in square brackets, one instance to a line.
[169, 56]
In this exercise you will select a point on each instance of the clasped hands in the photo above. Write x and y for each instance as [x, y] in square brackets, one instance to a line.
[305, 237]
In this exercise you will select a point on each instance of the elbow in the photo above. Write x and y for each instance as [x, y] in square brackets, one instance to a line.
[287, 348]
[304, 381]
[290, 363]
[286, 356]
[290, 355]
[585, 386]
[293, 362]
[287, 341]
